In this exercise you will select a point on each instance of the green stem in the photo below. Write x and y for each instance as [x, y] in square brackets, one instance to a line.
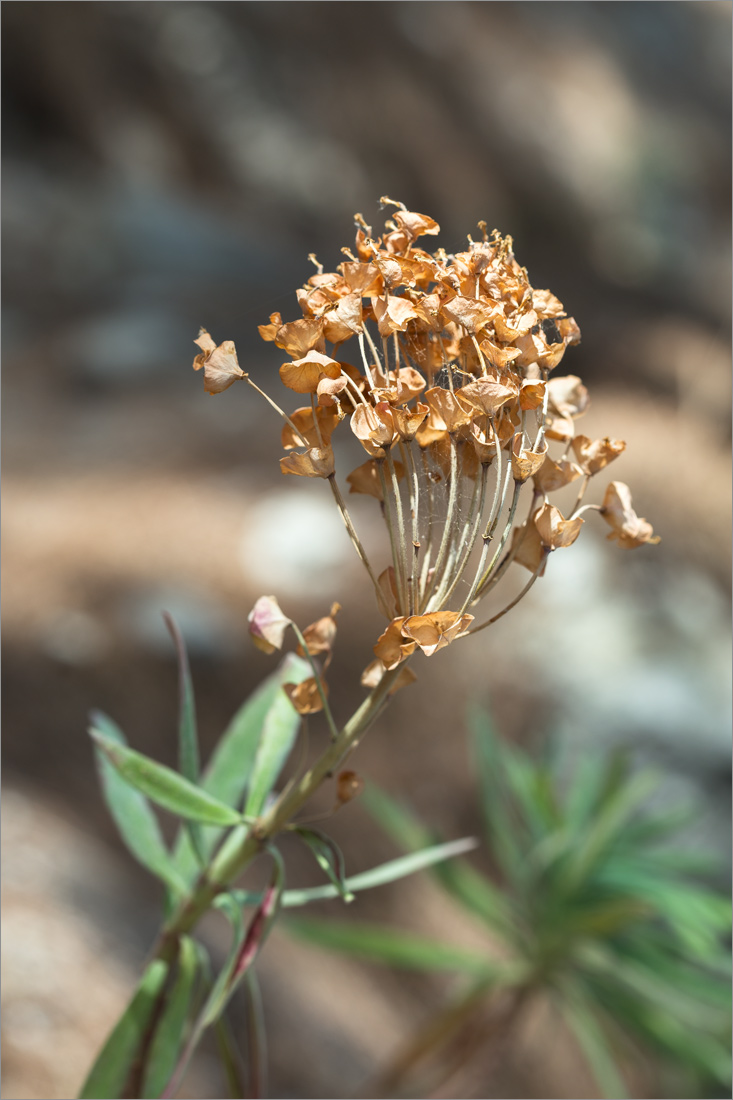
[349, 525]
[233, 859]
[319, 682]
[400, 579]
[406, 571]
[447, 529]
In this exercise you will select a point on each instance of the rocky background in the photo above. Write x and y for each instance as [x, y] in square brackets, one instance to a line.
[169, 165]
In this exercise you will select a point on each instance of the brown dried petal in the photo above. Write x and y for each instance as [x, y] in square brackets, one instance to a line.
[391, 647]
[408, 421]
[431, 429]
[484, 441]
[365, 479]
[525, 463]
[531, 394]
[554, 530]
[316, 462]
[305, 696]
[527, 548]
[437, 630]
[569, 330]
[368, 427]
[416, 225]
[328, 391]
[374, 672]
[302, 419]
[392, 313]
[446, 407]
[629, 530]
[546, 304]
[399, 271]
[344, 320]
[497, 355]
[471, 313]
[303, 375]
[301, 336]
[410, 384]
[388, 597]
[554, 475]
[320, 635]
[269, 332]
[510, 329]
[207, 345]
[220, 364]
[560, 428]
[362, 279]
[595, 455]
[487, 395]
[267, 624]
[567, 396]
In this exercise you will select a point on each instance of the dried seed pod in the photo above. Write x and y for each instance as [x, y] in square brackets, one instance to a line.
[348, 785]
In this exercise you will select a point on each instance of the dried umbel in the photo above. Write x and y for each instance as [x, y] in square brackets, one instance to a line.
[449, 392]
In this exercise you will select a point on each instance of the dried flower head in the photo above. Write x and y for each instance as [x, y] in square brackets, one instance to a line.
[450, 395]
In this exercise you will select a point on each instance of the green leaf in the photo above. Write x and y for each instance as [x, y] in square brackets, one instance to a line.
[645, 984]
[246, 945]
[387, 945]
[169, 1034]
[503, 830]
[279, 732]
[188, 743]
[133, 814]
[256, 1037]
[581, 1018]
[378, 876]
[228, 772]
[398, 822]
[329, 858]
[661, 1031]
[109, 1073]
[229, 1057]
[163, 785]
[696, 916]
[475, 892]
[478, 895]
[604, 831]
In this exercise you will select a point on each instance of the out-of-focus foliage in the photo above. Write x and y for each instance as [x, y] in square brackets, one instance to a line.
[599, 909]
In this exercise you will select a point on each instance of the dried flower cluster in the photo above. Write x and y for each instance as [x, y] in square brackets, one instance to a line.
[451, 398]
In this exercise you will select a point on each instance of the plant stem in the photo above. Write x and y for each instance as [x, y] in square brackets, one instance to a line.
[230, 862]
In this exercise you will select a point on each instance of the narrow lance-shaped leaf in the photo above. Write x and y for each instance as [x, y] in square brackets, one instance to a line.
[279, 732]
[261, 924]
[227, 774]
[387, 945]
[501, 826]
[600, 836]
[229, 1057]
[256, 1037]
[391, 871]
[133, 814]
[329, 857]
[109, 1073]
[581, 1019]
[474, 891]
[188, 743]
[164, 786]
[170, 1032]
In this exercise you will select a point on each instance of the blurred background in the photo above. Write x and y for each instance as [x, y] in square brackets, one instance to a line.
[171, 165]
